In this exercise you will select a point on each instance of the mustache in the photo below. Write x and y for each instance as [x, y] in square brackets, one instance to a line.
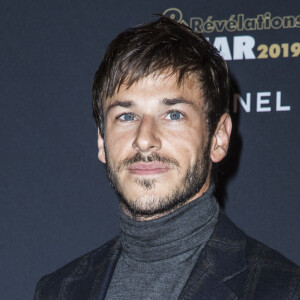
[138, 157]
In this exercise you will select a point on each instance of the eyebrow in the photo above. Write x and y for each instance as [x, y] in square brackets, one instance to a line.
[175, 101]
[165, 101]
[121, 104]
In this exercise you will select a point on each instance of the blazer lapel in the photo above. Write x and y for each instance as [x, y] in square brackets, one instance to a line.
[91, 281]
[106, 272]
[222, 259]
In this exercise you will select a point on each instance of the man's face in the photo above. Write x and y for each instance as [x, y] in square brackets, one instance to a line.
[156, 144]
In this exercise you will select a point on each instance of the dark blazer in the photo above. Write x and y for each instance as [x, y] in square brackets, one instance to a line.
[231, 266]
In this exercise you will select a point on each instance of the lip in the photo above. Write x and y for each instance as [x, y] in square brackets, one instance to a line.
[150, 168]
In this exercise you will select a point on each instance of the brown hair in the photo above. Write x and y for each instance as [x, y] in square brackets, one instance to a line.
[156, 47]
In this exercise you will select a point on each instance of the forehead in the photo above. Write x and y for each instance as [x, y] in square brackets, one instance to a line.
[159, 86]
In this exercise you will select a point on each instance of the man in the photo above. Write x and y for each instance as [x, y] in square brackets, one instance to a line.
[160, 101]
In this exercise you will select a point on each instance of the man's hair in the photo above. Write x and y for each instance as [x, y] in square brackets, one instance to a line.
[162, 46]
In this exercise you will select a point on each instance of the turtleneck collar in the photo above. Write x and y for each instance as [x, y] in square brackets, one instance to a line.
[176, 233]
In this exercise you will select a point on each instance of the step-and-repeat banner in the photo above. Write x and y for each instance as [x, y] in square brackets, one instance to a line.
[56, 202]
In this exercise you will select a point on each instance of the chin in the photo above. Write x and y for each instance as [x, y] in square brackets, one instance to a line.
[149, 205]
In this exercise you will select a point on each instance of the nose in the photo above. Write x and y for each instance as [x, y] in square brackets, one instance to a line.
[147, 139]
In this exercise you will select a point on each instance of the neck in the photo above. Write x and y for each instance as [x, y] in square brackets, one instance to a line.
[178, 232]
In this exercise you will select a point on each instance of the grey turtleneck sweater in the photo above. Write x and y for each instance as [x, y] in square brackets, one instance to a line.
[158, 256]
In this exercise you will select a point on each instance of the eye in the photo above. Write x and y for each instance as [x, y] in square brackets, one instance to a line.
[174, 115]
[127, 117]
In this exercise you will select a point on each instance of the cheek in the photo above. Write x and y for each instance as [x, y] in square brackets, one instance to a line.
[184, 145]
[118, 146]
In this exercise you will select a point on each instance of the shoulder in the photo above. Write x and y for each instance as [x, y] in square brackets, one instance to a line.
[269, 272]
[258, 252]
[50, 285]
[249, 267]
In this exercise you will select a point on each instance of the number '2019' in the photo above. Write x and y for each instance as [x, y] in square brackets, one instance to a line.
[275, 50]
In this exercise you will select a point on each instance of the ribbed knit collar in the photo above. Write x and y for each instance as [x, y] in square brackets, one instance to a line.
[176, 233]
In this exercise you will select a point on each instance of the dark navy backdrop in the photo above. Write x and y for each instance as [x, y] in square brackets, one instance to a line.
[56, 203]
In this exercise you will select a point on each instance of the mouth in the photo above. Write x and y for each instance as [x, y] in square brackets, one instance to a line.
[149, 168]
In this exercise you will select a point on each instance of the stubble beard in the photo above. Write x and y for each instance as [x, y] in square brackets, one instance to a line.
[151, 204]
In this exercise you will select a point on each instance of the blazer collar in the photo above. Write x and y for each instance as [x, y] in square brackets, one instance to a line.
[222, 259]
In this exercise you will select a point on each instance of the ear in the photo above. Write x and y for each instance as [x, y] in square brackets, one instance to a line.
[220, 139]
[101, 152]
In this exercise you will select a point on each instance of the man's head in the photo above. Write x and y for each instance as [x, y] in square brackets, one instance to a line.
[160, 100]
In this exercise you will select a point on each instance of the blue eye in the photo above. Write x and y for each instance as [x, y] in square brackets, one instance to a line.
[126, 117]
[174, 115]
